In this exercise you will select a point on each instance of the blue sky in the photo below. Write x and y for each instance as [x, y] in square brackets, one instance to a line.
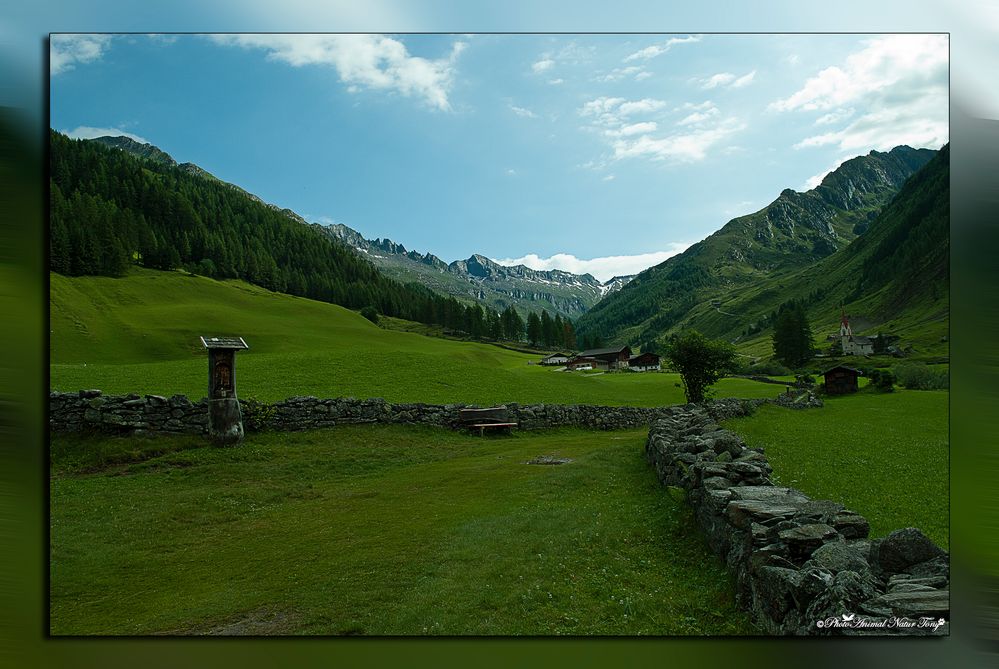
[599, 153]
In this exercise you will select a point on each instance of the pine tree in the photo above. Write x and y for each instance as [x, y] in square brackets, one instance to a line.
[792, 337]
[547, 329]
[569, 335]
[534, 329]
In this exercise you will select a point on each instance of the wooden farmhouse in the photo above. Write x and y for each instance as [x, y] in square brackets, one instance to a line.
[556, 359]
[644, 362]
[841, 380]
[580, 363]
[609, 358]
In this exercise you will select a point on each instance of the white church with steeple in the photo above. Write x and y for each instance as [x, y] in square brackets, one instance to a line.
[853, 344]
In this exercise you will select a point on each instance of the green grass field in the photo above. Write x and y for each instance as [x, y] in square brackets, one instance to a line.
[884, 455]
[140, 334]
[376, 530]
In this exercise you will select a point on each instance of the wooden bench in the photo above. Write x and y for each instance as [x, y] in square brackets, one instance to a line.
[486, 419]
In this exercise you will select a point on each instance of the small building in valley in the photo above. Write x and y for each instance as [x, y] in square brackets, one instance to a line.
[556, 359]
[580, 363]
[644, 362]
[841, 380]
[853, 344]
[612, 358]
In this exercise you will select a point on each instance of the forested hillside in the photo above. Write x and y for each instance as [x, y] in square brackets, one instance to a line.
[114, 205]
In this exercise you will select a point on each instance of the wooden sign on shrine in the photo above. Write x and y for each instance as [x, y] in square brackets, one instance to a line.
[225, 422]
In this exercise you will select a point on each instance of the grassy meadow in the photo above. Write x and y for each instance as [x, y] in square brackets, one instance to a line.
[407, 530]
[376, 530]
[140, 334]
[884, 455]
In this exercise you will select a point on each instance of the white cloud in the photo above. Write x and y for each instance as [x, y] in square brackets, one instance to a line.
[744, 80]
[522, 112]
[716, 80]
[600, 106]
[834, 116]
[511, 172]
[883, 63]
[687, 106]
[681, 147]
[88, 132]
[609, 177]
[65, 51]
[617, 74]
[362, 61]
[542, 65]
[899, 85]
[726, 79]
[634, 140]
[792, 59]
[641, 106]
[633, 129]
[556, 82]
[570, 54]
[699, 116]
[918, 125]
[604, 268]
[619, 107]
[659, 49]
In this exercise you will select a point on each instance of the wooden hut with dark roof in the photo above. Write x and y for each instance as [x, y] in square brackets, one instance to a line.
[841, 380]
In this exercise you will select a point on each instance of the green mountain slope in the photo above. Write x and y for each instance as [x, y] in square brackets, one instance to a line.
[891, 279]
[795, 231]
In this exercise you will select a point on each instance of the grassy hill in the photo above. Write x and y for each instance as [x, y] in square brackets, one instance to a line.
[140, 334]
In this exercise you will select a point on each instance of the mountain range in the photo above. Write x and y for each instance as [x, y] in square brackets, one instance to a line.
[477, 279]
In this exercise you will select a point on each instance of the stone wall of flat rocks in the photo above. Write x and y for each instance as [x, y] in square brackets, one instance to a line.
[802, 566]
[91, 410]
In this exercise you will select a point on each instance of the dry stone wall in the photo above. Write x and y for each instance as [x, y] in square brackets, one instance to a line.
[91, 410]
[802, 566]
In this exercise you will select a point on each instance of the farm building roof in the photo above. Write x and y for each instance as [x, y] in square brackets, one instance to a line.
[602, 351]
[849, 369]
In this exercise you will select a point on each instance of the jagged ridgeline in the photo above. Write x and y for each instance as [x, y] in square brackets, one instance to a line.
[481, 280]
[759, 256]
[113, 208]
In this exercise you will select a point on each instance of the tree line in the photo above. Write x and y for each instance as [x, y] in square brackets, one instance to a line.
[110, 210]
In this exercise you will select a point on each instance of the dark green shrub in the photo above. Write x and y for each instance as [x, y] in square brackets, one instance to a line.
[371, 314]
[916, 376]
[882, 380]
[770, 368]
